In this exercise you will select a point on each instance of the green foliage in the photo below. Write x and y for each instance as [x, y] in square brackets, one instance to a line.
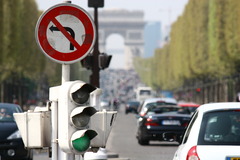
[204, 44]
[20, 56]
[19, 52]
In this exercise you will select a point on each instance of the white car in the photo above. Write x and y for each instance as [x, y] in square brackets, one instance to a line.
[212, 134]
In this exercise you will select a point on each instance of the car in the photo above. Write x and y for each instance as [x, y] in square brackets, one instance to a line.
[213, 133]
[11, 144]
[142, 110]
[143, 93]
[158, 119]
[131, 106]
[189, 106]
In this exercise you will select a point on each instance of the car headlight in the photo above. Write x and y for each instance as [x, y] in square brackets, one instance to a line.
[15, 135]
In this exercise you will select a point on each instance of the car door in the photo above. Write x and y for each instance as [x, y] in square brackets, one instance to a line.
[186, 144]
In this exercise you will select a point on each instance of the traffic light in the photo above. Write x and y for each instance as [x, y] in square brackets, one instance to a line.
[95, 3]
[198, 90]
[87, 62]
[74, 114]
[104, 60]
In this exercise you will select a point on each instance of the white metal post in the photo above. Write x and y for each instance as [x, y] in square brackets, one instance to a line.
[65, 78]
[65, 73]
[54, 108]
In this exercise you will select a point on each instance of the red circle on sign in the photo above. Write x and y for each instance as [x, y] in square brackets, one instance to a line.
[50, 16]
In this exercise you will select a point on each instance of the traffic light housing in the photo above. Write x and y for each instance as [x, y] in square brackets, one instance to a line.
[74, 114]
[104, 60]
[35, 127]
[95, 3]
[87, 62]
[102, 122]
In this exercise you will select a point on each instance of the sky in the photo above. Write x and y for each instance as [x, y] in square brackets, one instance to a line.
[164, 11]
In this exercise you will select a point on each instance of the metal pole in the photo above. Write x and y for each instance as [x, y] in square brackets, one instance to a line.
[65, 73]
[94, 78]
[65, 78]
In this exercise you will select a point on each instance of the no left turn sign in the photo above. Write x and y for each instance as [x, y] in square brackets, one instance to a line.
[65, 33]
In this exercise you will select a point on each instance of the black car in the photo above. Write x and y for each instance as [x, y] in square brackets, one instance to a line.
[159, 120]
[11, 144]
[131, 106]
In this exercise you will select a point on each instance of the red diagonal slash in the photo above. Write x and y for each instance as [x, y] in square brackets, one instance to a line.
[65, 33]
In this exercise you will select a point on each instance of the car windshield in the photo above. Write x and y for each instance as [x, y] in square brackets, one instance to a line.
[6, 113]
[166, 108]
[133, 103]
[145, 92]
[157, 105]
[219, 128]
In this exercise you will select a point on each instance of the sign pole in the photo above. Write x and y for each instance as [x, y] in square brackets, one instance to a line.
[65, 73]
[65, 77]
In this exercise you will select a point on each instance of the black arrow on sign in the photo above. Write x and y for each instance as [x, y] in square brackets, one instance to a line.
[70, 30]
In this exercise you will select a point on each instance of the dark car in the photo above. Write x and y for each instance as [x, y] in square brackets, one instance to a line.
[11, 144]
[132, 107]
[160, 119]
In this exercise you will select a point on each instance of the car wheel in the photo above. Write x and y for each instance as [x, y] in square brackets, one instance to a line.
[30, 156]
[143, 141]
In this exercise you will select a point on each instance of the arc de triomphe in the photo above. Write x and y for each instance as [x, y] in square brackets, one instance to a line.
[128, 24]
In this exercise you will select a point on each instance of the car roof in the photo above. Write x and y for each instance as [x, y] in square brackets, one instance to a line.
[133, 102]
[168, 100]
[218, 106]
[10, 105]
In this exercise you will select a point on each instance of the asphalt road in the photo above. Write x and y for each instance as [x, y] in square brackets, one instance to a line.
[123, 141]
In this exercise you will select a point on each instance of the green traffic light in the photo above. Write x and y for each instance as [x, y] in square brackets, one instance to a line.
[81, 144]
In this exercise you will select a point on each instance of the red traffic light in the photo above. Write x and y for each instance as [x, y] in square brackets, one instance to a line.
[198, 89]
